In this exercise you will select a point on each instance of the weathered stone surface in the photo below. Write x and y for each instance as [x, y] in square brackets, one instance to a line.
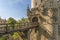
[44, 10]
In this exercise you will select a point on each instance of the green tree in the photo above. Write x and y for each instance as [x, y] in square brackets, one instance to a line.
[11, 22]
[16, 36]
[23, 20]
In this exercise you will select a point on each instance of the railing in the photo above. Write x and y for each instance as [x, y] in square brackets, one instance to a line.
[29, 25]
[19, 27]
[25, 26]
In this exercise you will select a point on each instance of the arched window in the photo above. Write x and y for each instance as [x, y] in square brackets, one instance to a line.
[35, 19]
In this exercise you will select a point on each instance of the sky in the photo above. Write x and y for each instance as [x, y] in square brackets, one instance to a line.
[14, 8]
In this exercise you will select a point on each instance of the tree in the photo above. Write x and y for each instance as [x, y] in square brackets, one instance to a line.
[11, 22]
[16, 36]
[23, 20]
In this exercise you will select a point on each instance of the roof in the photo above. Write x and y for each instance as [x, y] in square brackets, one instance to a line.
[2, 26]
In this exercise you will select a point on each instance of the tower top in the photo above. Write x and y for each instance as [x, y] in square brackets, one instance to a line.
[36, 3]
[32, 3]
[47, 3]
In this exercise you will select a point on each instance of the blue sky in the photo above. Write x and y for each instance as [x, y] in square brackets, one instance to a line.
[13, 8]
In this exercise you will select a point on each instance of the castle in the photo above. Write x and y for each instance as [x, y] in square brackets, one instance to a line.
[47, 14]
[2, 24]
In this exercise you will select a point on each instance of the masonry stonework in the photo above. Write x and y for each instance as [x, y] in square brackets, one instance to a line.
[47, 14]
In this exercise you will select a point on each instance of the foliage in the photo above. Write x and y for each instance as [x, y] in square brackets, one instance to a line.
[23, 20]
[1, 38]
[11, 22]
[15, 36]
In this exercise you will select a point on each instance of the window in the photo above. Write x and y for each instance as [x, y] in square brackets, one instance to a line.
[51, 3]
[59, 29]
[36, 3]
[35, 19]
[45, 13]
[41, 0]
[58, 1]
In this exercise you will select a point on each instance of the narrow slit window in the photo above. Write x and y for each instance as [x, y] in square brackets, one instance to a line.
[51, 3]
[41, 0]
[36, 3]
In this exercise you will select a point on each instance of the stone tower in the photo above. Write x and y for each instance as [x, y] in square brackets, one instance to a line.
[46, 13]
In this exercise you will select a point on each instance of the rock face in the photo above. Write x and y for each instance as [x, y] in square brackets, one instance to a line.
[48, 14]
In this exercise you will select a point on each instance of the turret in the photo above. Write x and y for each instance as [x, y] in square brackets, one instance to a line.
[28, 11]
